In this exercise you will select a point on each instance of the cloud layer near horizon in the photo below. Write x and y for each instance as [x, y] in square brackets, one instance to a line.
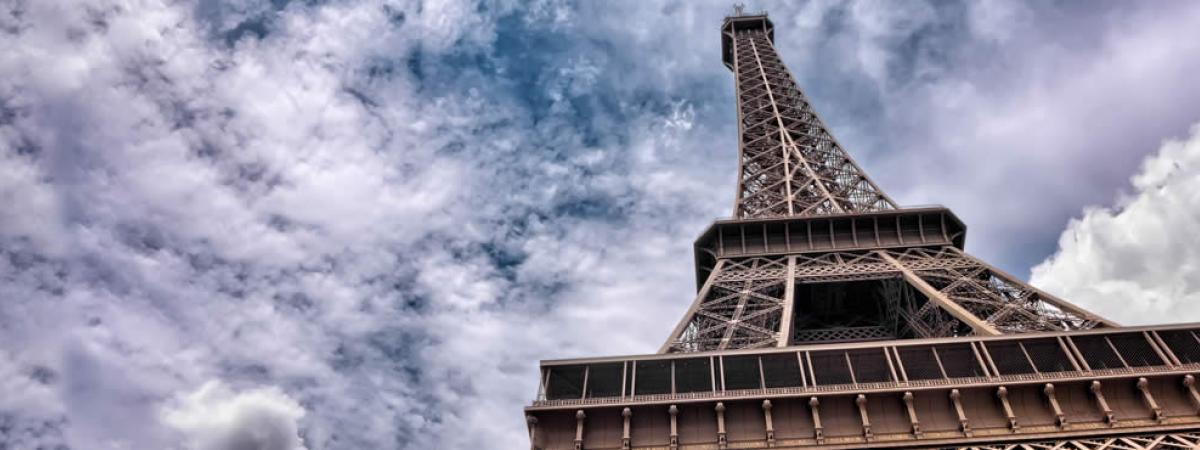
[359, 224]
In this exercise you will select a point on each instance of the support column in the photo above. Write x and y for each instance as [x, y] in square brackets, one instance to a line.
[861, 401]
[963, 423]
[722, 442]
[542, 386]
[1002, 392]
[1102, 403]
[789, 301]
[532, 422]
[1189, 383]
[818, 432]
[674, 411]
[1144, 385]
[579, 416]
[766, 406]
[912, 414]
[625, 415]
[1059, 417]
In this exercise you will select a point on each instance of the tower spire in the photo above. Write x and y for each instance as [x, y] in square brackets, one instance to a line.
[789, 163]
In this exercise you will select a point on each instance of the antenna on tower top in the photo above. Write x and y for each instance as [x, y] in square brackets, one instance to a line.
[738, 8]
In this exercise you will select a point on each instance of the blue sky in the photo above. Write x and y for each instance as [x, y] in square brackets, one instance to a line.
[360, 224]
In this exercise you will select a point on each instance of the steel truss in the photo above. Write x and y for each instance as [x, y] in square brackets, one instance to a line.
[747, 302]
[901, 339]
[791, 166]
[790, 163]
[1150, 442]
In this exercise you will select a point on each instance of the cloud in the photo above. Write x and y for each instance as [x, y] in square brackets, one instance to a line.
[298, 206]
[193, 211]
[214, 417]
[386, 212]
[1137, 261]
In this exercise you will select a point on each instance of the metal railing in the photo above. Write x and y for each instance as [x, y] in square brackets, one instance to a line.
[1141, 350]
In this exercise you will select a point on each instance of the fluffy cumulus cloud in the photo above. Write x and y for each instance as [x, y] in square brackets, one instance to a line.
[1138, 262]
[359, 224]
[216, 418]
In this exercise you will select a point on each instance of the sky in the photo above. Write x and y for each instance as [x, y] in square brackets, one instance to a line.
[360, 224]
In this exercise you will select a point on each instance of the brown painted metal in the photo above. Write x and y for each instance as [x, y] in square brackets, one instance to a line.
[789, 162]
[829, 317]
[800, 194]
[743, 300]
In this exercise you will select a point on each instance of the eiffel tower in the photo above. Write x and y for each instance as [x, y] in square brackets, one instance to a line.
[827, 316]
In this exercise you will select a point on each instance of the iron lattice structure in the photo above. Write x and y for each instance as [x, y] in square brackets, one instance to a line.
[791, 166]
[827, 316]
[745, 301]
[1169, 441]
[789, 162]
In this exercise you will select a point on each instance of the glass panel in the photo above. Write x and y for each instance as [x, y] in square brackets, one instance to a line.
[1136, 351]
[781, 370]
[693, 375]
[870, 366]
[604, 380]
[1048, 355]
[1009, 358]
[653, 377]
[919, 363]
[1096, 352]
[565, 382]
[830, 368]
[741, 372]
[1183, 344]
[959, 360]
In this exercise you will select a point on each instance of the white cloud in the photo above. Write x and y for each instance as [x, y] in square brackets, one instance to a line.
[268, 212]
[386, 212]
[214, 417]
[190, 211]
[1137, 262]
[879, 26]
